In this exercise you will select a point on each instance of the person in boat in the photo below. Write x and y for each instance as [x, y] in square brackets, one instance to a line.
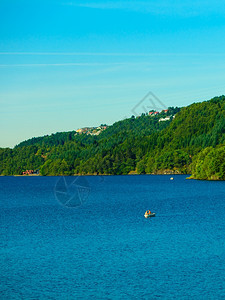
[149, 212]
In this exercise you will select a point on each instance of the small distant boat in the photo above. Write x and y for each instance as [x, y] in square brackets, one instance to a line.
[147, 215]
[171, 178]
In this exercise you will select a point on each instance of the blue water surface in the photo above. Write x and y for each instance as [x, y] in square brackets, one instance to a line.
[104, 248]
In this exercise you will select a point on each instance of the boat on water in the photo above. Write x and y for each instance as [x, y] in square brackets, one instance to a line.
[171, 178]
[149, 215]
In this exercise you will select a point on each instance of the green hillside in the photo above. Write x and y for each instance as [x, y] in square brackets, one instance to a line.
[191, 142]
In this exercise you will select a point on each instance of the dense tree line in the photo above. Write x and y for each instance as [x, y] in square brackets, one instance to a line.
[209, 163]
[141, 144]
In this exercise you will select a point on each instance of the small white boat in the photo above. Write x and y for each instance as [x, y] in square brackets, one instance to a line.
[149, 215]
[171, 178]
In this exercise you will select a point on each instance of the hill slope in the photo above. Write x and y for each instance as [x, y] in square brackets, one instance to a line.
[142, 144]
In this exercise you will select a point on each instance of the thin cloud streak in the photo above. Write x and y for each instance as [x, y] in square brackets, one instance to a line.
[114, 65]
[74, 53]
[65, 64]
[105, 54]
[171, 8]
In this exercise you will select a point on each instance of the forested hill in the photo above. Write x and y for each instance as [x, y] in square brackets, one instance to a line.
[140, 126]
[191, 142]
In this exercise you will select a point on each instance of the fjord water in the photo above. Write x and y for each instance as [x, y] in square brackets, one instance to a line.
[105, 248]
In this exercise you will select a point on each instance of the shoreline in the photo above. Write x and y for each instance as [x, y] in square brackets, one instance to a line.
[130, 174]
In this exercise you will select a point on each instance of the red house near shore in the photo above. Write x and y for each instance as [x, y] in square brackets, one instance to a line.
[28, 172]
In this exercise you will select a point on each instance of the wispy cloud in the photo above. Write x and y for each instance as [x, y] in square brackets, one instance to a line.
[185, 8]
[80, 53]
[141, 54]
[105, 5]
[60, 64]
[71, 53]
[97, 64]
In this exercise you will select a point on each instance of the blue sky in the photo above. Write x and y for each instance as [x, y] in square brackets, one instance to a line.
[70, 64]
